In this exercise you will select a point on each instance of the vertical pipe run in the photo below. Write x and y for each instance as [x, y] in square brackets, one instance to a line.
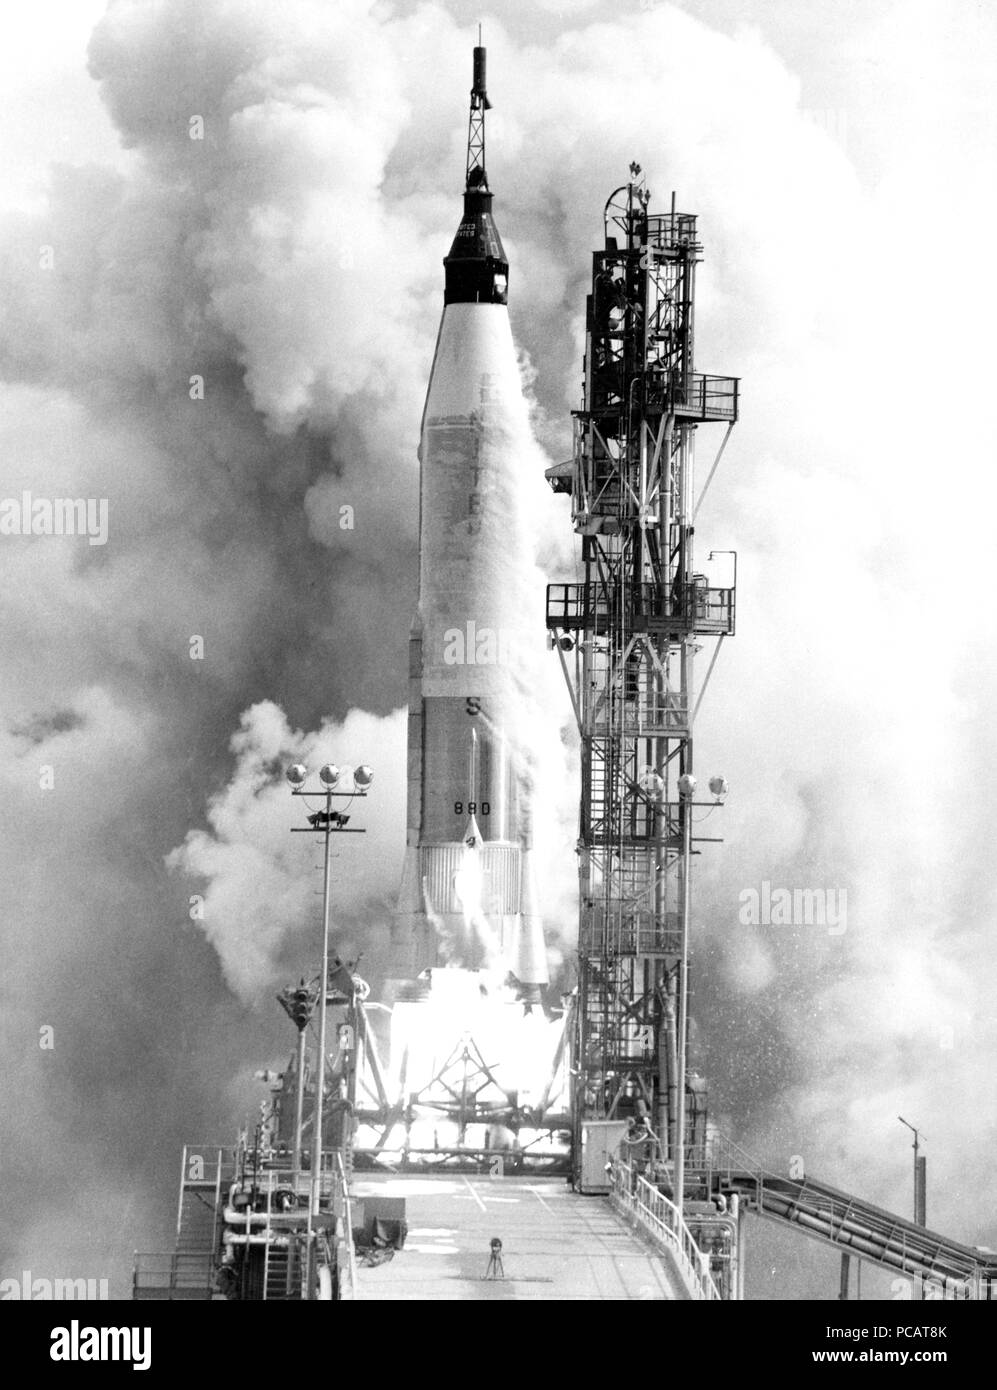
[683, 1007]
[666, 1080]
[741, 1225]
[299, 1107]
[920, 1189]
[843, 1280]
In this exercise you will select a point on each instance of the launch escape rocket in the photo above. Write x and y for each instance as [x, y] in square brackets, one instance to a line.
[467, 896]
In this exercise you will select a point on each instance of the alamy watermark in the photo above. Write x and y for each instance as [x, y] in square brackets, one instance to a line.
[794, 907]
[54, 516]
[76, 1343]
[472, 645]
[31, 1287]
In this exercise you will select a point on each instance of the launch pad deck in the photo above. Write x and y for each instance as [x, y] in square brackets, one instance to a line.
[556, 1244]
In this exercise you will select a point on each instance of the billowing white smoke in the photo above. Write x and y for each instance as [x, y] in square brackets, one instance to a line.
[291, 258]
[261, 888]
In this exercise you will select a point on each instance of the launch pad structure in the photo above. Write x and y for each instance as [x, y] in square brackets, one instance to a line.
[626, 636]
[485, 1074]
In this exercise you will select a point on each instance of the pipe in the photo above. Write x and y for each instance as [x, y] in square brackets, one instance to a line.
[683, 999]
[240, 1238]
[299, 1103]
[260, 1218]
[741, 1242]
[671, 1067]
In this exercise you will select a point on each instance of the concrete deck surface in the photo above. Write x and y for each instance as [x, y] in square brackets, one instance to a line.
[556, 1244]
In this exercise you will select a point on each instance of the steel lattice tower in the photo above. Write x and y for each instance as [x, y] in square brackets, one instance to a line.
[632, 625]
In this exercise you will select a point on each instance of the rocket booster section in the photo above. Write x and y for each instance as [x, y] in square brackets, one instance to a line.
[468, 895]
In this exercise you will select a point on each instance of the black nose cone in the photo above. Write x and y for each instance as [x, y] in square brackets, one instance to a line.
[477, 271]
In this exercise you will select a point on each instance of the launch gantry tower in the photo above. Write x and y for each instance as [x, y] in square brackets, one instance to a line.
[633, 625]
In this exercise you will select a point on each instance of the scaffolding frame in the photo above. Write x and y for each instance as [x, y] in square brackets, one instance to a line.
[632, 626]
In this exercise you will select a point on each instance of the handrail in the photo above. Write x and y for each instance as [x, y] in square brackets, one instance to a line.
[169, 1270]
[267, 1234]
[852, 1222]
[695, 606]
[348, 1216]
[662, 1220]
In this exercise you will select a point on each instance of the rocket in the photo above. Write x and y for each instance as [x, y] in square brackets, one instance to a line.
[468, 896]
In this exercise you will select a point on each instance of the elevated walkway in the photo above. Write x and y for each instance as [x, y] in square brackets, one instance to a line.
[948, 1268]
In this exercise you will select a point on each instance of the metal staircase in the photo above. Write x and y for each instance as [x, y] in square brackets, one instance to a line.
[188, 1273]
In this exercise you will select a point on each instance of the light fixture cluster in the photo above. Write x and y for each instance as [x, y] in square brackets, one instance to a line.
[330, 776]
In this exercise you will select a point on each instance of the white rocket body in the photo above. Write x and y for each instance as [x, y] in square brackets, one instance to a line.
[468, 895]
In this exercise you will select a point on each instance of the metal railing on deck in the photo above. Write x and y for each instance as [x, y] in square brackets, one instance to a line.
[351, 1264]
[949, 1268]
[706, 397]
[172, 1275]
[693, 606]
[661, 1219]
[721, 1156]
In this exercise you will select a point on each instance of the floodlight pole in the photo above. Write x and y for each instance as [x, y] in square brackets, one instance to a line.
[315, 1184]
[315, 1194]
